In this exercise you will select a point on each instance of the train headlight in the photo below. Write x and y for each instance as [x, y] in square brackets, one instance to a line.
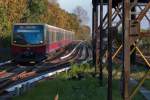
[41, 41]
[14, 41]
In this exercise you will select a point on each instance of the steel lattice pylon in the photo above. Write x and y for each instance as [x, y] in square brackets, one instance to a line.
[125, 11]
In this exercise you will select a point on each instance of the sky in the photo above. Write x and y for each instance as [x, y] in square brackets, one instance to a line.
[70, 5]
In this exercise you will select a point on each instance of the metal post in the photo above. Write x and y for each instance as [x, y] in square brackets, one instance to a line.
[126, 47]
[133, 55]
[95, 30]
[109, 50]
[101, 44]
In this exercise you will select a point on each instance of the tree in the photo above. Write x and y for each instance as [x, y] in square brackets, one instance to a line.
[53, 1]
[10, 12]
[81, 14]
[35, 10]
[83, 33]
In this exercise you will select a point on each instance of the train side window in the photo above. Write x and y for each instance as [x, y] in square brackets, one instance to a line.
[53, 37]
[59, 36]
[66, 36]
[56, 36]
[72, 37]
[69, 36]
[48, 36]
[63, 36]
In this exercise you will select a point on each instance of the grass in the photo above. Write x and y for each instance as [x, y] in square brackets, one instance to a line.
[86, 89]
[147, 84]
[68, 90]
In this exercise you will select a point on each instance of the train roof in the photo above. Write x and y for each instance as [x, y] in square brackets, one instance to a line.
[61, 29]
[29, 24]
[50, 26]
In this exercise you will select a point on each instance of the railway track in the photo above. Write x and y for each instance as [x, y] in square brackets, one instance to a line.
[18, 76]
[6, 62]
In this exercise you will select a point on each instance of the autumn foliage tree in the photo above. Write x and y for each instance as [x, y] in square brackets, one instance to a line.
[84, 33]
[10, 12]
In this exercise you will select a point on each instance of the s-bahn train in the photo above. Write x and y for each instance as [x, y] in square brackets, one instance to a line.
[32, 42]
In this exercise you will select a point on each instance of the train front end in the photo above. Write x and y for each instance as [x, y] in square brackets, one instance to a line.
[28, 43]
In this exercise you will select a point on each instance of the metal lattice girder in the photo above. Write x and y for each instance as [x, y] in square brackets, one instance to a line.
[144, 77]
[118, 10]
[126, 18]
[139, 85]
[106, 18]
[134, 3]
[140, 17]
[143, 56]
[117, 52]
[116, 13]
[121, 46]
[145, 15]
[119, 49]
[119, 1]
[143, 12]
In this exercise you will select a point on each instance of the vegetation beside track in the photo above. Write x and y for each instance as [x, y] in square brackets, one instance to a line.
[74, 88]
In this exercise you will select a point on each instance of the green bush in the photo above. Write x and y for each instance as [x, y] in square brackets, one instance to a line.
[79, 69]
[75, 70]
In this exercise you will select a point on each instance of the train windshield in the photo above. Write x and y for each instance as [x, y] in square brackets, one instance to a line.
[28, 35]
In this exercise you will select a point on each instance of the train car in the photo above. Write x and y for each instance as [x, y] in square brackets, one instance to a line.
[32, 42]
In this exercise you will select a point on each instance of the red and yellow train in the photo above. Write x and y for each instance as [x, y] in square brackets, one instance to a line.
[33, 42]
